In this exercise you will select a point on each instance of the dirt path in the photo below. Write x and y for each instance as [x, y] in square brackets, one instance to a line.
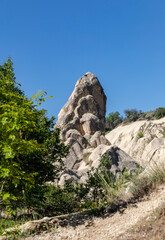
[110, 227]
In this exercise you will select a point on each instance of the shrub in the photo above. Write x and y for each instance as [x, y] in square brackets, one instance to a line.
[154, 174]
[71, 197]
[104, 185]
[140, 135]
[132, 115]
[160, 113]
[150, 115]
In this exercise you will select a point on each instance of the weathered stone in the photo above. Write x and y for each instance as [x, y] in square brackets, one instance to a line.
[75, 156]
[97, 139]
[87, 105]
[91, 124]
[76, 175]
[155, 151]
[118, 161]
[96, 155]
[149, 146]
[82, 124]
[87, 98]
[73, 133]
[116, 158]
[82, 121]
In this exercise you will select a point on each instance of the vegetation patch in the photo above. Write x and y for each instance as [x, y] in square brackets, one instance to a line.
[160, 113]
[86, 156]
[140, 135]
[131, 115]
[142, 185]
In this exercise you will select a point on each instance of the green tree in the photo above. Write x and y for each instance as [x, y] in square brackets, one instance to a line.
[113, 120]
[30, 152]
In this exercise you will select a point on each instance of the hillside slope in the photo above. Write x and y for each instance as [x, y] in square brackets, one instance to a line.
[114, 226]
[142, 140]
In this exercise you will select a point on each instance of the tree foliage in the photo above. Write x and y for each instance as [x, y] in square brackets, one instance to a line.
[160, 113]
[113, 120]
[30, 152]
[132, 115]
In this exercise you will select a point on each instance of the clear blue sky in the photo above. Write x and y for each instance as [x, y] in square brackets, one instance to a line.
[54, 42]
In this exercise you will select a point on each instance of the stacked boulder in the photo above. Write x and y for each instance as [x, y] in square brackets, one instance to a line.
[82, 124]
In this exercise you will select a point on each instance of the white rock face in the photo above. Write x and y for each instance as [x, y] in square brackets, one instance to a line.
[142, 140]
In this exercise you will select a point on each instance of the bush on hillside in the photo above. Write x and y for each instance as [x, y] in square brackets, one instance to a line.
[132, 115]
[160, 113]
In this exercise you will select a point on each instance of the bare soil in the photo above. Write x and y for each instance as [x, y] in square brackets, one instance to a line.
[151, 228]
[138, 221]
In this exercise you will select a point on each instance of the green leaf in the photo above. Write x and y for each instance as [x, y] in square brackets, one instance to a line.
[4, 172]
[6, 196]
[12, 137]
[8, 152]
[4, 120]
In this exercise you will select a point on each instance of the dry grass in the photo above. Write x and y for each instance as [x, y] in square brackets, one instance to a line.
[151, 228]
[145, 183]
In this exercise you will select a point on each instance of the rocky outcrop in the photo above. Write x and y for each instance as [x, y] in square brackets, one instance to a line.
[85, 109]
[117, 160]
[82, 124]
[142, 140]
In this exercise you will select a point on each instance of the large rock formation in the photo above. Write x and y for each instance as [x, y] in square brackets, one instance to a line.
[82, 119]
[117, 160]
[142, 140]
[85, 109]
[82, 124]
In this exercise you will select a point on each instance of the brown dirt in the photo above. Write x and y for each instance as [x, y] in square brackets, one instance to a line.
[124, 224]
